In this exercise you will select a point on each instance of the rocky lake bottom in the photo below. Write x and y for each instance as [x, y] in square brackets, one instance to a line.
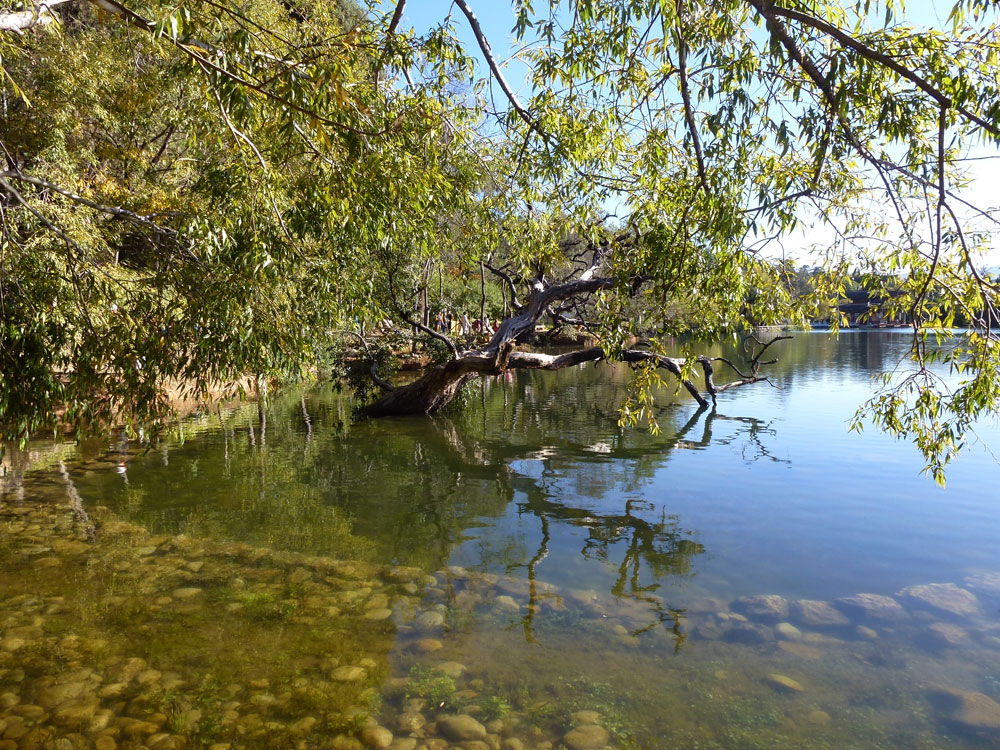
[113, 637]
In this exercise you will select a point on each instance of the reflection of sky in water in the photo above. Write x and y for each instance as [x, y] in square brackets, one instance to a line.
[783, 498]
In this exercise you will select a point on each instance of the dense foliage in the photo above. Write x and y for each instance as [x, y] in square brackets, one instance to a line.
[203, 190]
[165, 219]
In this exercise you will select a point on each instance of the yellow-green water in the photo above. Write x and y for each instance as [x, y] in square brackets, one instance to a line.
[330, 584]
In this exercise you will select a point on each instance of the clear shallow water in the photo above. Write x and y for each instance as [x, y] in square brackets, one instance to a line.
[575, 565]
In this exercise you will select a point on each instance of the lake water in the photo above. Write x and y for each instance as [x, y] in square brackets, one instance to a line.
[521, 563]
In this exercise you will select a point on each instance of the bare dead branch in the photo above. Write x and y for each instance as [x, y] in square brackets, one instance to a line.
[429, 331]
[686, 97]
[755, 362]
[506, 278]
[487, 51]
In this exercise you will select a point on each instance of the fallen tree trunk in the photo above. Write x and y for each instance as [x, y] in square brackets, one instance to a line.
[440, 384]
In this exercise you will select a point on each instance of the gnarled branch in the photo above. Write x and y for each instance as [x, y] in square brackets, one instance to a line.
[438, 386]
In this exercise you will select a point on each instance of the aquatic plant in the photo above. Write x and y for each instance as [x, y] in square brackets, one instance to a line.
[436, 688]
[492, 707]
[266, 607]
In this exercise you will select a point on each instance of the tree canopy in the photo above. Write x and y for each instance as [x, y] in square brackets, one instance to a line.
[201, 190]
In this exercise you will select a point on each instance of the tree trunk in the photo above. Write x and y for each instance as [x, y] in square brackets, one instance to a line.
[439, 385]
[433, 391]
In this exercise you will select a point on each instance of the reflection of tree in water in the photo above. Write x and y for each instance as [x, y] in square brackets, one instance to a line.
[638, 547]
[639, 540]
[410, 490]
[661, 545]
[752, 433]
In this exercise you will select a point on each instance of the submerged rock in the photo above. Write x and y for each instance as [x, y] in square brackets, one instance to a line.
[707, 630]
[863, 631]
[410, 721]
[348, 673]
[127, 670]
[402, 574]
[783, 684]
[819, 718]
[765, 607]
[990, 636]
[585, 717]
[585, 597]
[79, 712]
[946, 634]
[872, 606]
[461, 728]
[148, 676]
[451, 668]
[467, 600]
[189, 592]
[747, 632]
[944, 598]
[787, 631]
[507, 603]
[984, 583]
[343, 742]
[430, 620]
[821, 639]
[56, 695]
[704, 604]
[801, 650]
[427, 645]
[12, 644]
[817, 614]
[138, 728]
[971, 710]
[586, 737]
[376, 737]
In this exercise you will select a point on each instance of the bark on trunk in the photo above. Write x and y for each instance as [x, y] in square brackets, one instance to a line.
[37, 15]
[434, 390]
[439, 385]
